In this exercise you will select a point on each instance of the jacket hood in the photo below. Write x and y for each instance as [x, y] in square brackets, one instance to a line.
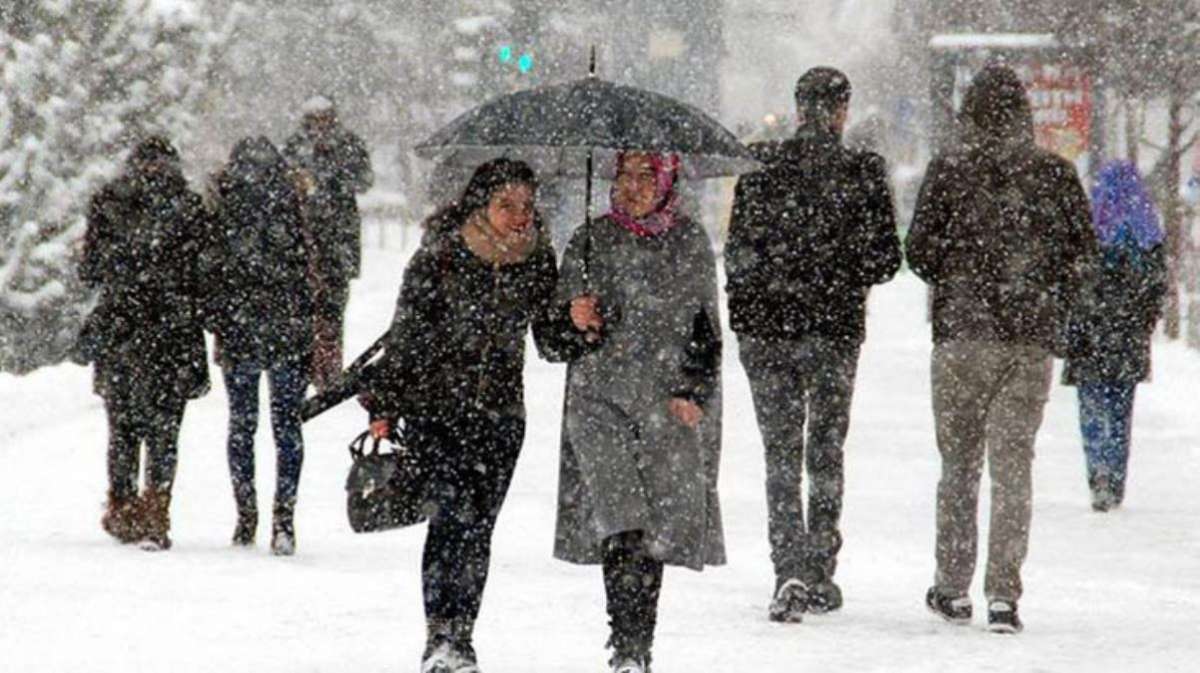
[996, 110]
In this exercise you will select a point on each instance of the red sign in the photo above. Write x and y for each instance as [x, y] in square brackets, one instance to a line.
[1061, 96]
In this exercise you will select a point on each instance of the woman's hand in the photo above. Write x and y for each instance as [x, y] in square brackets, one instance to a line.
[585, 314]
[381, 428]
[685, 411]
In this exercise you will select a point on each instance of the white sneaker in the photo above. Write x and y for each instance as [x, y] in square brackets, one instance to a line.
[444, 659]
[630, 665]
[439, 660]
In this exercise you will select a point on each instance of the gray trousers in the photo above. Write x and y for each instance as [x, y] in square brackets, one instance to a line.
[793, 382]
[988, 400]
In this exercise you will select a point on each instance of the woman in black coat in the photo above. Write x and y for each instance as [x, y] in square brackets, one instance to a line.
[1109, 334]
[262, 316]
[452, 370]
[145, 232]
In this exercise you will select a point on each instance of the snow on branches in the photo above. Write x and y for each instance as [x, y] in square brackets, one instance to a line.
[80, 80]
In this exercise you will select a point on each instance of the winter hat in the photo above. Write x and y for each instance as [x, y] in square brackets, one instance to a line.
[317, 105]
[490, 178]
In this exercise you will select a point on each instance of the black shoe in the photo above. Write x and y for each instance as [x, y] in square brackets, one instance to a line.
[790, 602]
[954, 609]
[1002, 617]
[824, 597]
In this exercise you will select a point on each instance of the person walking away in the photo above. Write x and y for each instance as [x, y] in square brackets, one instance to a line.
[262, 318]
[642, 425]
[452, 372]
[809, 236]
[1109, 342]
[332, 166]
[145, 232]
[1002, 234]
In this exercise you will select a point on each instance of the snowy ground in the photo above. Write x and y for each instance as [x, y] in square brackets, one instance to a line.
[1111, 592]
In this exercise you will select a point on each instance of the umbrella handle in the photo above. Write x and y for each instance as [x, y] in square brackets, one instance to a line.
[587, 222]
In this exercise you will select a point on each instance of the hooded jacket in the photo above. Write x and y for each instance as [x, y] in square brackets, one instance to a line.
[1002, 229]
[142, 251]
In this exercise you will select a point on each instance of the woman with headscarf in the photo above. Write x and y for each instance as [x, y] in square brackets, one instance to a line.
[145, 337]
[642, 425]
[452, 371]
[1109, 337]
[262, 317]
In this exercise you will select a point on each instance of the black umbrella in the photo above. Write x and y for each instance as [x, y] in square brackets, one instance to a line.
[556, 128]
[579, 128]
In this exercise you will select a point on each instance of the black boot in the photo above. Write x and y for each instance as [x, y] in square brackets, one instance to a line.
[448, 647]
[283, 534]
[632, 582]
[247, 514]
[246, 528]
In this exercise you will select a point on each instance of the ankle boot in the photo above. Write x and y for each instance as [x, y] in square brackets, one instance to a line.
[246, 528]
[120, 518]
[155, 518]
[283, 533]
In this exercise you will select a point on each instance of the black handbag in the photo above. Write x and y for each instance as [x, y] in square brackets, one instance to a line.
[385, 490]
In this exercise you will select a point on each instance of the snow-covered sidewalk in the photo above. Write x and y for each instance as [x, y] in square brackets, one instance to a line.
[1112, 592]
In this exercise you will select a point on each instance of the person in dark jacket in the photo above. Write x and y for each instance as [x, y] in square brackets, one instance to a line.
[145, 233]
[452, 370]
[1109, 337]
[1002, 234]
[332, 166]
[809, 235]
[641, 443]
[261, 314]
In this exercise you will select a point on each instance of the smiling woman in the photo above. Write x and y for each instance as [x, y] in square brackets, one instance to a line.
[452, 370]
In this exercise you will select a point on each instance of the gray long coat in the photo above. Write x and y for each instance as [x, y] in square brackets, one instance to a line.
[626, 462]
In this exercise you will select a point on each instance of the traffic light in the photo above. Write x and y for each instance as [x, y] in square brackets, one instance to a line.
[507, 56]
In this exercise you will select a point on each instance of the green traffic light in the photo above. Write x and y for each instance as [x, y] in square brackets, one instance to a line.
[505, 53]
[525, 63]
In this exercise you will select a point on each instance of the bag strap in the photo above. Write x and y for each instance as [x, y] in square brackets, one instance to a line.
[359, 444]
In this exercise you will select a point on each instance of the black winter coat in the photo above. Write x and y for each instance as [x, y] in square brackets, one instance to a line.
[142, 249]
[1110, 328]
[341, 167]
[1003, 234]
[809, 236]
[262, 305]
[457, 342]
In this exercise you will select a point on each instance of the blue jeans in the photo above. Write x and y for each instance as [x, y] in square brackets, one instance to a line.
[1105, 419]
[287, 383]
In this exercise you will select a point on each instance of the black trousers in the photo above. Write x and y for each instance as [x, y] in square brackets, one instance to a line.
[132, 421]
[802, 391]
[632, 584]
[471, 461]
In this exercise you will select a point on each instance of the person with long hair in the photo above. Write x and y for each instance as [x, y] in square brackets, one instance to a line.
[641, 441]
[1110, 330]
[261, 315]
[452, 372]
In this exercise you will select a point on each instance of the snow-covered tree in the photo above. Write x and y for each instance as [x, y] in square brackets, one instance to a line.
[79, 81]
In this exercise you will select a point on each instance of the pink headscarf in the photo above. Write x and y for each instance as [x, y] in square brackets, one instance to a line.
[663, 217]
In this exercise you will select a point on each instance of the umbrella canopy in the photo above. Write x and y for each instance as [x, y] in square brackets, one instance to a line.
[555, 129]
